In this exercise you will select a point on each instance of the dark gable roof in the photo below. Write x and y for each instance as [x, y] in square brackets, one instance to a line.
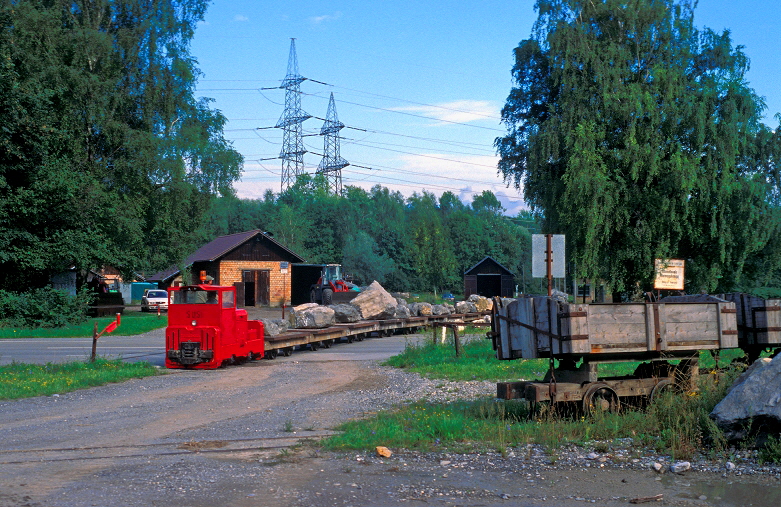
[488, 258]
[219, 247]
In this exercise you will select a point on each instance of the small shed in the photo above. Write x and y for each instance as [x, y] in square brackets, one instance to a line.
[253, 261]
[489, 278]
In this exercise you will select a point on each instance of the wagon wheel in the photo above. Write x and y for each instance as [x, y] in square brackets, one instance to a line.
[287, 351]
[271, 354]
[314, 345]
[663, 385]
[350, 339]
[326, 344]
[600, 397]
[359, 337]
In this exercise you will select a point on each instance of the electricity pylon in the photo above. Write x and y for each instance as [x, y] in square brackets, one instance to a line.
[332, 163]
[291, 121]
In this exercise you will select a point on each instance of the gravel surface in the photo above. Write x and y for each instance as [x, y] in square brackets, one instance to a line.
[224, 437]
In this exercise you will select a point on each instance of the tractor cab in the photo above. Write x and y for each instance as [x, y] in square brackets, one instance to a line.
[332, 287]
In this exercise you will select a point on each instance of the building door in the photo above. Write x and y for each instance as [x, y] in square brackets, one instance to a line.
[248, 277]
[263, 287]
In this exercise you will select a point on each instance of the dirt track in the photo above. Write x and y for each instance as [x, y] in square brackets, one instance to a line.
[222, 438]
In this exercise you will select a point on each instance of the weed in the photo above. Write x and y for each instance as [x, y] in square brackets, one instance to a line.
[771, 451]
[288, 428]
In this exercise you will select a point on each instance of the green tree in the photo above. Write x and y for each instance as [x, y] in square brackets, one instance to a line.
[108, 158]
[631, 131]
[432, 251]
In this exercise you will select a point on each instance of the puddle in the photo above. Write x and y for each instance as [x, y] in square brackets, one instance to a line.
[728, 492]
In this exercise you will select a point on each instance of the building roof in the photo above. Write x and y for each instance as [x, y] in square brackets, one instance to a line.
[487, 258]
[218, 248]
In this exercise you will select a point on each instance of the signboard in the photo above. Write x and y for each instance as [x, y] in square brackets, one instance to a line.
[540, 258]
[283, 267]
[669, 274]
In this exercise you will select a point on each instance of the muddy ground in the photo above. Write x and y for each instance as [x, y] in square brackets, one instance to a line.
[232, 437]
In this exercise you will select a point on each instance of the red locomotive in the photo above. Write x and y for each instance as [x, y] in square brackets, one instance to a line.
[206, 330]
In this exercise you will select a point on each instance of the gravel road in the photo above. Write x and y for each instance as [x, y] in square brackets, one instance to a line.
[224, 437]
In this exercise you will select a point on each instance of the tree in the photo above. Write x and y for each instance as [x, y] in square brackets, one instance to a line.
[631, 132]
[108, 158]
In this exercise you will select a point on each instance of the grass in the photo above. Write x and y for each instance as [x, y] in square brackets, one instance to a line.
[676, 423]
[20, 380]
[132, 323]
[478, 362]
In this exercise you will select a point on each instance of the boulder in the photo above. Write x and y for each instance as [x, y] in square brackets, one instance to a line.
[402, 312]
[752, 406]
[273, 327]
[483, 304]
[450, 308]
[422, 309]
[374, 302]
[439, 310]
[345, 312]
[466, 307]
[311, 316]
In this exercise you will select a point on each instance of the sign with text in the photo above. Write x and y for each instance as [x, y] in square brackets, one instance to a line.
[540, 256]
[283, 267]
[669, 274]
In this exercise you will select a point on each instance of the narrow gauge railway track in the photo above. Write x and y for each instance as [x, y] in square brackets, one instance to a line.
[25, 456]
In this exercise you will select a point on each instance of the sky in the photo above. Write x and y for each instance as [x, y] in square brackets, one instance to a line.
[419, 85]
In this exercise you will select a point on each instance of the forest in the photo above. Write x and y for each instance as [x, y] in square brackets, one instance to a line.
[419, 242]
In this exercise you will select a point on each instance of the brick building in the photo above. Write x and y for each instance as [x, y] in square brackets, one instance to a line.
[253, 261]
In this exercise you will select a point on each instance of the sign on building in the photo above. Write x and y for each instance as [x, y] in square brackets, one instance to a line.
[669, 274]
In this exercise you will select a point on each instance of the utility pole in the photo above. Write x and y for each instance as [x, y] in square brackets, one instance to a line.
[291, 121]
[332, 163]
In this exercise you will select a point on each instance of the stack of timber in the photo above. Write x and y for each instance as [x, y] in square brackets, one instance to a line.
[534, 327]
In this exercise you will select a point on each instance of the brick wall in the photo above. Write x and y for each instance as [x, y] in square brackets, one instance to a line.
[279, 284]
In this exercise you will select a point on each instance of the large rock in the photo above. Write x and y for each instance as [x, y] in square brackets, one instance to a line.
[439, 310]
[374, 302]
[311, 316]
[402, 312]
[274, 327]
[752, 406]
[344, 313]
[466, 307]
[420, 309]
[483, 304]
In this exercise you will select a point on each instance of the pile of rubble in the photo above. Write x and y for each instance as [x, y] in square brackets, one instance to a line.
[373, 303]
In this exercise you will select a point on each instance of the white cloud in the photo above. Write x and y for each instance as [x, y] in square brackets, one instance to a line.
[459, 111]
[318, 20]
[240, 17]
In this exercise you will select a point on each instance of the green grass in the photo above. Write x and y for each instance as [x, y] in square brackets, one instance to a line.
[20, 380]
[676, 423]
[478, 362]
[132, 323]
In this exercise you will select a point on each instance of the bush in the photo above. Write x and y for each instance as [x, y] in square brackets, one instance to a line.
[44, 307]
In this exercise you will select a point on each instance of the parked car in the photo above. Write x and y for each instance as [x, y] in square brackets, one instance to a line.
[154, 299]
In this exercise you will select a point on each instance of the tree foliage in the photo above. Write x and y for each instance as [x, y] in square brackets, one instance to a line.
[417, 243]
[636, 134]
[106, 156]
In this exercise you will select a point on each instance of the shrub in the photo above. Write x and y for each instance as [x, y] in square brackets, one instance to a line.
[43, 307]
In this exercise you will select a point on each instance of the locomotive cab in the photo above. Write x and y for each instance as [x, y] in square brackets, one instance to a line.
[205, 329]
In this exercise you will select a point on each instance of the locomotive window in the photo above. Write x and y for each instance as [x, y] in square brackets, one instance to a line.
[227, 300]
[195, 297]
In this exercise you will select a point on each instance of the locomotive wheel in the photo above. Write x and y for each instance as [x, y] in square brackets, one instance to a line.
[600, 397]
[271, 354]
[287, 351]
[328, 296]
[314, 345]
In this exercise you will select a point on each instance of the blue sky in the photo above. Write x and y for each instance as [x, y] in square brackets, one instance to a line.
[420, 83]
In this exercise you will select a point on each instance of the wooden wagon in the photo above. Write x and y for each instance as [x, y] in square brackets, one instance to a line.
[581, 336]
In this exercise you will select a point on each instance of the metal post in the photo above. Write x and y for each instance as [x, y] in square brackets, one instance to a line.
[549, 262]
[94, 342]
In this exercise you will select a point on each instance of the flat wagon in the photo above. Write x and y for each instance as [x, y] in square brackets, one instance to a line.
[579, 337]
